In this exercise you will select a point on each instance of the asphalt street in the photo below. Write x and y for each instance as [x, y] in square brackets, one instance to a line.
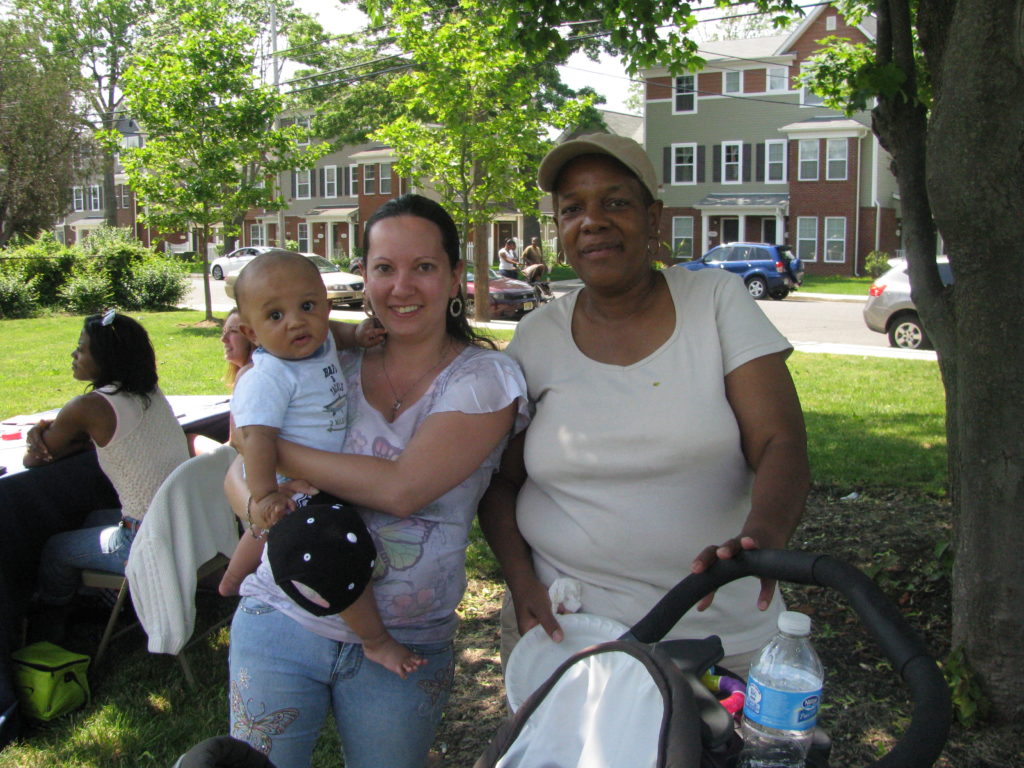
[811, 322]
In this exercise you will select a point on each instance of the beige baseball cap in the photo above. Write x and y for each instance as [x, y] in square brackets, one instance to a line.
[625, 150]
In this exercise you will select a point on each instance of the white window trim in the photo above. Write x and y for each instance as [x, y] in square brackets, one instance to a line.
[828, 240]
[299, 184]
[353, 180]
[800, 159]
[725, 78]
[800, 240]
[370, 179]
[126, 196]
[768, 164]
[675, 238]
[330, 181]
[739, 162]
[768, 80]
[94, 197]
[78, 198]
[385, 177]
[808, 98]
[829, 143]
[693, 166]
[256, 234]
[303, 122]
[301, 227]
[676, 92]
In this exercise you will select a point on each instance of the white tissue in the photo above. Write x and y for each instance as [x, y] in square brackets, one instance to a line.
[567, 593]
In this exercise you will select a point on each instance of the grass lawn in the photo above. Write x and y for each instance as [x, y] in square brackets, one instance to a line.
[874, 425]
[848, 286]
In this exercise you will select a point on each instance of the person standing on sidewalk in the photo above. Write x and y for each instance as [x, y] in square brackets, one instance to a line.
[508, 263]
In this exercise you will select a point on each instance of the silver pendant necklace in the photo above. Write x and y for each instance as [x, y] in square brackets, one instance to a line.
[399, 401]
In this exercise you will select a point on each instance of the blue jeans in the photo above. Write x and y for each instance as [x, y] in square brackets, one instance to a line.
[284, 677]
[102, 545]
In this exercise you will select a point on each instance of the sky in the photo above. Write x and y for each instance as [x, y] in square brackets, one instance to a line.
[607, 76]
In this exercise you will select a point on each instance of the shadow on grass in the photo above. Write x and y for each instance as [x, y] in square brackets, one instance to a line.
[142, 712]
[907, 450]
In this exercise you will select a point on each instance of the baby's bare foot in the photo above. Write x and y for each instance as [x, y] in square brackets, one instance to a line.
[390, 653]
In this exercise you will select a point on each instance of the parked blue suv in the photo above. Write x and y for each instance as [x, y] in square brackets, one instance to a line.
[768, 270]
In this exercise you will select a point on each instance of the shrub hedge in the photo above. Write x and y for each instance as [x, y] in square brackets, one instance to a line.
[108, 268]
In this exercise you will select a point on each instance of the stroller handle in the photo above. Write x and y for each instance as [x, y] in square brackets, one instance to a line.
[924, 738]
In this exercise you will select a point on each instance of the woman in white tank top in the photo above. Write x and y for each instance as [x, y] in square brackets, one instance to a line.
[138, 443]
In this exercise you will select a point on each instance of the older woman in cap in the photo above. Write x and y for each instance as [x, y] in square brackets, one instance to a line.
[667, 432]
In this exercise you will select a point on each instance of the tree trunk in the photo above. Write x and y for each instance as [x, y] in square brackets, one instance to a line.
[109, 200]
[976, 187]
[207, 297]
[109, 169]
[481, 272]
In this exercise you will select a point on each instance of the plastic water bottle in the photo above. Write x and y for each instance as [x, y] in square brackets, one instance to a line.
[783, 695]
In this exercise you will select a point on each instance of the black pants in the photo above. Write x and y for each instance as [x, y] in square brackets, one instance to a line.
[34, 505]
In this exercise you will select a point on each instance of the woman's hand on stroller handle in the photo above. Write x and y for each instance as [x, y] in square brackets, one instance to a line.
[726, 551]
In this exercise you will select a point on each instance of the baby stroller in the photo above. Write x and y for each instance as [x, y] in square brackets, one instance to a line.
[637, 702]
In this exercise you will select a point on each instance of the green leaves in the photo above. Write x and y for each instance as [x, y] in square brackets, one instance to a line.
[474, 115]
[211, 144]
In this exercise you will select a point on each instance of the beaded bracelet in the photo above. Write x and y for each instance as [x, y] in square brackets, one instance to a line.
[254, 530]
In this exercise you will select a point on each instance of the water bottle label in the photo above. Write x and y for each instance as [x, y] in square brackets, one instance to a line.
[782, 710]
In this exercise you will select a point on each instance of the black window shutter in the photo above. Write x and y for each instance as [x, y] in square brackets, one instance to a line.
[700, 163]
[321, 173]
[716, 163]
[294, 181]
[666, 165]
[747, 157]
[312, 184]
[760, 161]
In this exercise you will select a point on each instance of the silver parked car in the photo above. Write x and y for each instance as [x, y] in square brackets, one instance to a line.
[233, 262]
[889, 309]
[343, 288]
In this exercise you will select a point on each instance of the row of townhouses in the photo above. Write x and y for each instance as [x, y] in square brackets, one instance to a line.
[744, 153]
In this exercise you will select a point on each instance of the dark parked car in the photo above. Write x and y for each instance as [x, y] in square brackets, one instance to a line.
[890, 310]
[509, 298]
[767, 269]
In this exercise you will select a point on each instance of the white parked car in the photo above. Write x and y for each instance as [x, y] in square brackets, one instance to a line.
[343, 288]
[232, 263]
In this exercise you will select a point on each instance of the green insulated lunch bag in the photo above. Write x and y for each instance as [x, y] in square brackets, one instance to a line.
[50, 681]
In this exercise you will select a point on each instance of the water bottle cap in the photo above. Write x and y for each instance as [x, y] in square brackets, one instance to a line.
[795, 623]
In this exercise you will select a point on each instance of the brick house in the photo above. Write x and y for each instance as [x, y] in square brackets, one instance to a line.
[86, 211]
[745, 153]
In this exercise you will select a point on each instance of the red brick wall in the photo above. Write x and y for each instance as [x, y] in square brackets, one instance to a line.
[807, 45]
[709, 83]
[659, 88]
[825, 198]
[754, 81]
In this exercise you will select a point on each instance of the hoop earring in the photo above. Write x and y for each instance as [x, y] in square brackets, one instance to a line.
[455, 307]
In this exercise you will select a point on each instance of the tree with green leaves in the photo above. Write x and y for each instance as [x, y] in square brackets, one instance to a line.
[41, 136]
[474, 115]
[211, 149]
[98, 36]
[944, 81]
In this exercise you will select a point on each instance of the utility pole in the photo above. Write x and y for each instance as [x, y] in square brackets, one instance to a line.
[276, 67]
